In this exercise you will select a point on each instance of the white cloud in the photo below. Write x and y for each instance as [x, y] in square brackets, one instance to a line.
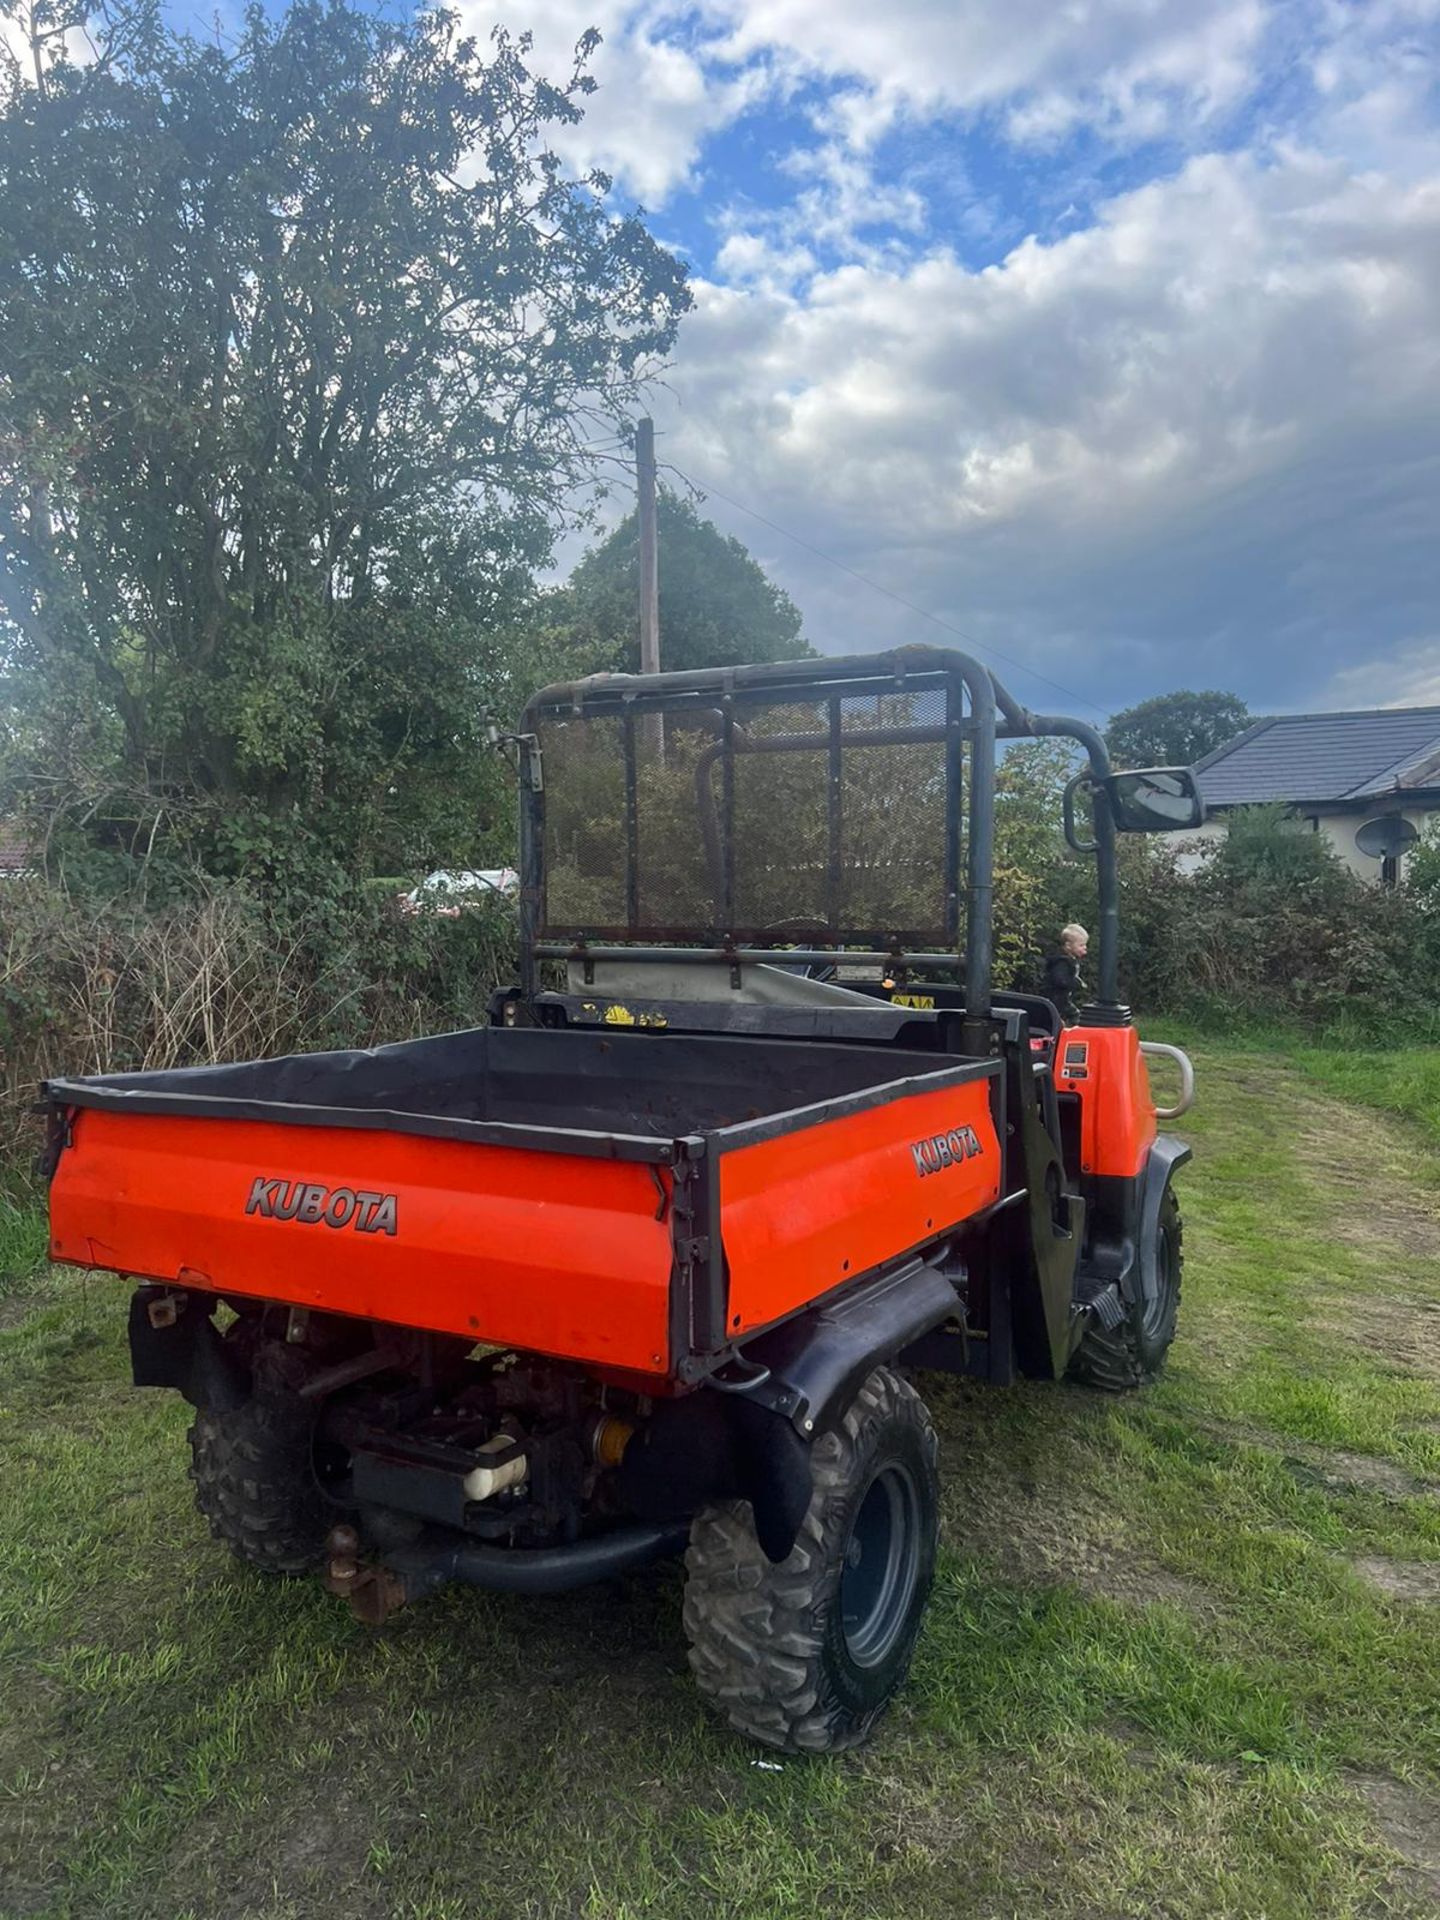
[1408, 677]
[1208, 422]
[1374, 69]
[841, 205]
[1128, 66]
[1191, 434]
[659, 97]
[673, 74]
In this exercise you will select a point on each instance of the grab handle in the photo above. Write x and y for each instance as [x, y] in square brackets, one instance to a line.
[1187, 1077]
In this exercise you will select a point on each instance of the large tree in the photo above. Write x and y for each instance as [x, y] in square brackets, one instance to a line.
[1175, 729]
[303, 338]
[718, 606]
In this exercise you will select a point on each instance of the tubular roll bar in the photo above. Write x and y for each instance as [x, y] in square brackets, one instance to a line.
[1107, 873]
[706, 691]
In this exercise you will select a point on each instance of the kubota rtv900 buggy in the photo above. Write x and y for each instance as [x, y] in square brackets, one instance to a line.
[646, 1262]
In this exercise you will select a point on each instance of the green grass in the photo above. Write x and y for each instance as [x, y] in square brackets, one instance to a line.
[1156, 1678]
[22, 1247]
[1405, 1082]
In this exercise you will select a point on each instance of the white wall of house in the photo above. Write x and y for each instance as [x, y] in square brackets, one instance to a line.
[1190, 848]
[1338, 828]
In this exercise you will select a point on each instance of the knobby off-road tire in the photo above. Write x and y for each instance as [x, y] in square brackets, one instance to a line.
[1133, 1353]
[254, 1475]
[805, 1655]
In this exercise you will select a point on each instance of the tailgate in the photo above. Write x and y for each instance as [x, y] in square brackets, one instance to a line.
[560, 1253]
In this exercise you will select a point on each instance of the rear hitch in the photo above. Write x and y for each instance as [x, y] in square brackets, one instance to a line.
[373, 1591]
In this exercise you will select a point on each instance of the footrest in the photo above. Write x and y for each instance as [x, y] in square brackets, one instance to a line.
[1107, 1307]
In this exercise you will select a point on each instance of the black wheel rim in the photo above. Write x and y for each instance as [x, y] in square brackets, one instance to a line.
[882, 1558]
[1160, 1304]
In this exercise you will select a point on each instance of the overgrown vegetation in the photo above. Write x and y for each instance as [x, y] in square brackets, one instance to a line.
[1268, 929]
[1273, 928]
[309, 342]
[96, 984]
[1272, 934]
[1179, 1661]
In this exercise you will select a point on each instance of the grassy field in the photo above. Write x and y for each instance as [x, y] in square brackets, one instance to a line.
[1405, 1082]
[1183, 1657]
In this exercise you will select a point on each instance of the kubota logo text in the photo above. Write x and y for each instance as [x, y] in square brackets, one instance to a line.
[945, 1150]
[322, 1206]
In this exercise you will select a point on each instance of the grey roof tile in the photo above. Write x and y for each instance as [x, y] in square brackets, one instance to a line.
[1323, 756]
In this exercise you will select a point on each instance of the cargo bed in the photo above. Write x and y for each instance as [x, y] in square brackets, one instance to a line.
[629, 1199]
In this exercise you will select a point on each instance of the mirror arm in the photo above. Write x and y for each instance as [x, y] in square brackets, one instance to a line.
[1107, 873]
[1072, 836]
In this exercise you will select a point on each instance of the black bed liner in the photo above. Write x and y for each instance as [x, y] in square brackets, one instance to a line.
[620, 1095]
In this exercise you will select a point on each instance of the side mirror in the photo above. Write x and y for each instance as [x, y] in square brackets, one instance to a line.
[1157, 800]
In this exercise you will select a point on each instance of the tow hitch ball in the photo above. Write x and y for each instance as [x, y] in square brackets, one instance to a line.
[374, 1591]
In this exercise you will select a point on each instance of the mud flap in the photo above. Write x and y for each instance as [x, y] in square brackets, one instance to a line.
[183, 1351]
[750, 1440]
[816, 1360]
[709, 1447]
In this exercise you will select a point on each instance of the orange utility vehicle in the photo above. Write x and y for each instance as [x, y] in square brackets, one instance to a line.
[645, 1263]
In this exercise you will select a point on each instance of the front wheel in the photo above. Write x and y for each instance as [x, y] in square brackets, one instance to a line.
[805, 1655]
[1133, 1353]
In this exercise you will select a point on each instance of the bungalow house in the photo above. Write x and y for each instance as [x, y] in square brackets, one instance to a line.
[1340, 772]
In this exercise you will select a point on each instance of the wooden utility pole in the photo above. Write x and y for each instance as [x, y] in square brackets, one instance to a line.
[649, 572]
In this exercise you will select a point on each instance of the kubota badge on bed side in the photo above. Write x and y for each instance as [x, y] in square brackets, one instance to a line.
[322, 1206]
[946, 1150]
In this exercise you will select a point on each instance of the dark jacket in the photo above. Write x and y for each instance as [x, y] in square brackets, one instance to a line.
[1063, 983]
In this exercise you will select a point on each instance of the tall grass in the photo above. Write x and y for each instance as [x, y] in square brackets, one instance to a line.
[1404, 1081]
[107, 985]
[23, 1239]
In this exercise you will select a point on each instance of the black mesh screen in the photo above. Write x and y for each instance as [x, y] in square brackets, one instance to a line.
[774, 819]
[780, 836]
[584, 766]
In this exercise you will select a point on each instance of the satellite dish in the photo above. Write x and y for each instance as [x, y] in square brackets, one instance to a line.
[1386, 837]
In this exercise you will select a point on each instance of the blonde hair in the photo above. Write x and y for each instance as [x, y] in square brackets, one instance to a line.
[1074, 932]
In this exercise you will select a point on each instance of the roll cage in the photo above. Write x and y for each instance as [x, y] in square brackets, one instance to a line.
[917, 697]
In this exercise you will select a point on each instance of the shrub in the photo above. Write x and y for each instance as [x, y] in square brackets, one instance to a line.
[1275, 928]
[101, 985]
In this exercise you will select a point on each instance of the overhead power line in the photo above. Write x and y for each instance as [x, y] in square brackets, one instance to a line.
[913, 606]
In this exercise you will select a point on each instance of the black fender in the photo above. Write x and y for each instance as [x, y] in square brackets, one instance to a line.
[184, 1351]
[1162, 1162]
[816, 1360]
[749, 1437]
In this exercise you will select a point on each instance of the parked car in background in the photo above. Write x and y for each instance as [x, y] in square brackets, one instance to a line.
[451, 892]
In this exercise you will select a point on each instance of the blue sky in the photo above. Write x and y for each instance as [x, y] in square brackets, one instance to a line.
[1105, 331]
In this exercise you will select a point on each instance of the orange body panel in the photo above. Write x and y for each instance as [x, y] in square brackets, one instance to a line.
[560, 1254]
[1105, 1067]
[804, 1210]
[557, 1253]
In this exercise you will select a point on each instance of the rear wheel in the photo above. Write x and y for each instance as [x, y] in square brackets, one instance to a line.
[806, 1655]
[1133, 1353]
[254, 1470]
